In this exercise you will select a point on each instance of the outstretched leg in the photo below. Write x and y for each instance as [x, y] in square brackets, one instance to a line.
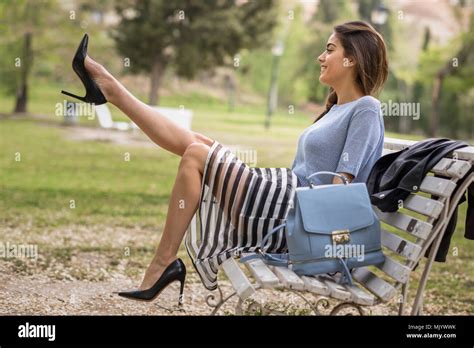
[183, 204]
[158, 127]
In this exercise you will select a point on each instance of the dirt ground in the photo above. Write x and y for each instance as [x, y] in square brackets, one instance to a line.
[41, 294]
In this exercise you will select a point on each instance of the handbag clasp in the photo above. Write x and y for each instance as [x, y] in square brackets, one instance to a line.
[340, 236]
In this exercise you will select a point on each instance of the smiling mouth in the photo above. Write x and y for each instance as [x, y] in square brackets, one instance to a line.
[323, 68]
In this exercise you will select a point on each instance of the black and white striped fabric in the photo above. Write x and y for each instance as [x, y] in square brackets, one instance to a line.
[238, 206]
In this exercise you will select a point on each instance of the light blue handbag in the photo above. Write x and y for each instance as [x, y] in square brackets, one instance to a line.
[331, 228]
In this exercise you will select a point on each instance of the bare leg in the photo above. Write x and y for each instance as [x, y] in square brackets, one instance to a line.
[182, 206]
[192, 146]
[164, 132]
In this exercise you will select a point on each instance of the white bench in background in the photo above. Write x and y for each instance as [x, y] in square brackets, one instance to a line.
[105, 120]
[374, 284]
[182, 117]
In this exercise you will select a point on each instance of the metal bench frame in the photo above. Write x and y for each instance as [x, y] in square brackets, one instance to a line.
[402, 255]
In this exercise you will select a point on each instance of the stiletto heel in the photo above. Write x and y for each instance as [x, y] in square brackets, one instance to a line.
[176, 271]
[73, 95]
[181, 293]
[93, 93]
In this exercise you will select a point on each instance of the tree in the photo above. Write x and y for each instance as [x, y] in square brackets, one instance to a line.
[29, 34]
[188, 35]
[22, 20]
[454, 67]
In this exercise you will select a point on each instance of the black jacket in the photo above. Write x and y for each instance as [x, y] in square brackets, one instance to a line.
[451, 226]
[396, 175]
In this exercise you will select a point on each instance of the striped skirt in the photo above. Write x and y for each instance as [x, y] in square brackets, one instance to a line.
[238, 206]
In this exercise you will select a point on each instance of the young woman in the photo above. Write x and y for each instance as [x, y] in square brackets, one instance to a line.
[245, 203]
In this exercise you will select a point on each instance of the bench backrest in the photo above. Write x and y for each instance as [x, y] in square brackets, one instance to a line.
[408, 233]
[103, 116]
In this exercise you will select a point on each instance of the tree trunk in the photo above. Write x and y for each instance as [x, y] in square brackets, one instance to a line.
[157, 71]
[22, 90]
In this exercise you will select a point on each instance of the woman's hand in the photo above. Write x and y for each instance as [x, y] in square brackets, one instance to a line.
[338, 180]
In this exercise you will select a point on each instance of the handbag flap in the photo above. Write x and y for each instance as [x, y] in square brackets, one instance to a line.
[327, 208]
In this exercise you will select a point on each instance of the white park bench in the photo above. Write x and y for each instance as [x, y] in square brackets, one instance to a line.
[105, 119]
[181, 116]
[420, 223]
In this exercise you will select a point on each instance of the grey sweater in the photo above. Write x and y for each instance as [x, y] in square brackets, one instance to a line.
[349, 138]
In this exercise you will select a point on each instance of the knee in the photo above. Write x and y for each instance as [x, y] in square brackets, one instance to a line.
[196, 149]
[195, 154]
[201, 138]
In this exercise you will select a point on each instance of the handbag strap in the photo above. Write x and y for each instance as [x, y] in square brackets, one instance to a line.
[342, 177]
[346, 273]
[270, 259]
[273, 259]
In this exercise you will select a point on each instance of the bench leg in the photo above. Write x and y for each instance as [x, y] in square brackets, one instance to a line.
[448, 211]
[418, 303]
[347, 305]
[404, 297]
[212, 302]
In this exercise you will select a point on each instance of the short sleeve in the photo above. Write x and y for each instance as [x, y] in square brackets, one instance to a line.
[363, 135]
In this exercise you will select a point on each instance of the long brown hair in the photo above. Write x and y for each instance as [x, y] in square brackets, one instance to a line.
[361, 41]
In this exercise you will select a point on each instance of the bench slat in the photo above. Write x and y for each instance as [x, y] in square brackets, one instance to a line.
[240, 282]
[336, 290]
[452, 168]
[359, 296]
[437, 186]
[315, 285]
[464, 153]
[397, 144]
[262, 274]
[446, 166]
[417, 228]
[400, 245]
[387, 151]
[374, 284]
[394, 269]
[288, 278]
[422, 205]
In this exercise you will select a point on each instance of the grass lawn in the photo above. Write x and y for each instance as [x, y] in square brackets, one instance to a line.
[91, 212]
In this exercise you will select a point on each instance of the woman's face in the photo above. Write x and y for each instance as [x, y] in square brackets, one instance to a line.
[334, 66]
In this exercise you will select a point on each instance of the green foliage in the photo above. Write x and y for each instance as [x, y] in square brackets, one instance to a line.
[254, 70]
[189, 35]
[320, 28]
[55, 33]
[9, 74]
[330, 11]
[213, 33]
[17, 20]
[456, 107]
[292, 84]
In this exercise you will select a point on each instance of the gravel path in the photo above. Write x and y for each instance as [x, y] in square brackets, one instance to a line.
[41, 295]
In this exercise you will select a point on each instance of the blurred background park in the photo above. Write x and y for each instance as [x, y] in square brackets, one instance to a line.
[93, 198]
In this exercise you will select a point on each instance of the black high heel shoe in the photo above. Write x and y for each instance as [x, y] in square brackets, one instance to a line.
[93, 93]
[175, 271]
